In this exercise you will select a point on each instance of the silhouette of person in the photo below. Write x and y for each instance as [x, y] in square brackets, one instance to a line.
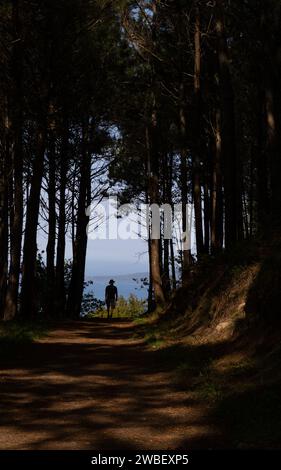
[111, 297]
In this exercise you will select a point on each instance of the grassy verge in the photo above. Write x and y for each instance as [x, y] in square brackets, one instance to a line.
[243, 396]
[131, 308]
[252, 416]
[14, 334]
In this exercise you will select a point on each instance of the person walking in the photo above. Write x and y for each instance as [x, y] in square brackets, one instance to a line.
[111, 297]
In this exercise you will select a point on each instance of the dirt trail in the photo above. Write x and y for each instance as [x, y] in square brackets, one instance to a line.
[94, 386]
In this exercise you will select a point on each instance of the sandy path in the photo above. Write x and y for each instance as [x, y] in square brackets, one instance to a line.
[93, 386]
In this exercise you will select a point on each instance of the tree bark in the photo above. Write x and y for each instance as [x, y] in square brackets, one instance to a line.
[75, 293]
[5, 152]
[206, 216]
[263, 204]
[50, 251]
[197, 196]
[150, 285]
[166, 243]
[184, 189]
[153, 171]
[29, 292]
[273, 149]
[11, 301]
[272, 106]
[153, 190]
[185, 253]
[60, 256]
[232, 190]
[170, 201]
[216, 197]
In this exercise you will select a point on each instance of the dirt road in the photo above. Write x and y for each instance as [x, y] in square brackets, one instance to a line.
[95, 386]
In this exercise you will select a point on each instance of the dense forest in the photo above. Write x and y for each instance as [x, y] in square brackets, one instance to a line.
[158, 103]
[170, 100]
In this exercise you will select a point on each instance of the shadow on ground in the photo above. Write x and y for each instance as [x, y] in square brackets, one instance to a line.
[93, 385]
[96, 385]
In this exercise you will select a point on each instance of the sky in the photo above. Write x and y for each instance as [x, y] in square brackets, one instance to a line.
[113, 257]
[110, 257]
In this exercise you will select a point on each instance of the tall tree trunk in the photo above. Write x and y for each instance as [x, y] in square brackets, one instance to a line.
[273, 149]
[153, 190]
[29, 291]
[263, 205]
[166, 243]
[183, 145]
[60, 258]
[75, 183]
[216, 197]
[245, 214]
[161, 251]
[150, 285]
[156, 274]
[232, 175]
[252, 193]
[5, 151]
[206, 215]
[197, 196]
[166, 268]
[76, 287]
[50, 251]
[184, 189]
[150, 302]
[152, 142]
[3, 239]
[173, 267]
[170, 201]
[11, 301]
[272, 97]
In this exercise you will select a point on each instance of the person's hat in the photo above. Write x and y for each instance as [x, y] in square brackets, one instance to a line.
[111, 281]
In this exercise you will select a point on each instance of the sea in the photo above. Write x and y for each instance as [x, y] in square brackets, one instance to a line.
[126, 284]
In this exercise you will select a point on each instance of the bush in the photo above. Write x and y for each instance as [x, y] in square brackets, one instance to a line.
[125, 308]
[90, 304]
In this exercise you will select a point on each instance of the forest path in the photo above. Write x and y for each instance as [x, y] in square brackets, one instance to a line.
[93, 385]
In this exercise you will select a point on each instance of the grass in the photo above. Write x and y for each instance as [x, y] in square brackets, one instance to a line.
[191, 365]
[15, 333]
[132, 308]
[245, 406]
[241, 368]
[154, 341]
[252, 417]
[238, 377]
[243, 398]
[210, 391]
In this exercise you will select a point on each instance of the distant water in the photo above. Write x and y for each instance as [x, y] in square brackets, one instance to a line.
[125, 284]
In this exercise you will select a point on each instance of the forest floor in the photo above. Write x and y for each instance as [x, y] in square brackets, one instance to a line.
[95, 385]
[103, 385]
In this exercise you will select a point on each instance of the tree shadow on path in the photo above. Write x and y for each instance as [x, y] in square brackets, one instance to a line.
[92, 385]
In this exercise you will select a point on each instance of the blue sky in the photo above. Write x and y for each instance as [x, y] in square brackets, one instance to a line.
[111, 257]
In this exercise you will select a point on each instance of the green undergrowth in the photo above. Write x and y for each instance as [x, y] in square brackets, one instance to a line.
[243, 396]
[15, 333]
[131, 308]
